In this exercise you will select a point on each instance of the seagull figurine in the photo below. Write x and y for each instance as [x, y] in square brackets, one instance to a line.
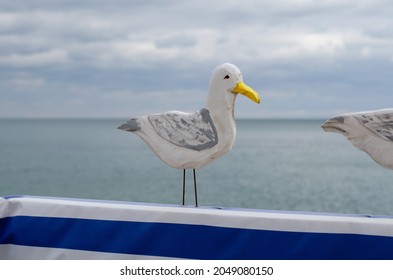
[369, 131]
[193, 140]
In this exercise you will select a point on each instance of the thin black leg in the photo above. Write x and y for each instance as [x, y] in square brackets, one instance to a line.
[184, 186]
[195, 190]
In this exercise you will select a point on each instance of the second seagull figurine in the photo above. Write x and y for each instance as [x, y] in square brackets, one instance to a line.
[193, 140]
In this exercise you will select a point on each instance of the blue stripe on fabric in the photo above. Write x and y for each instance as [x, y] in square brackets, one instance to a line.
[189, 241]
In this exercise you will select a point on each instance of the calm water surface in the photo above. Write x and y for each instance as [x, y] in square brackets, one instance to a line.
[275, 164]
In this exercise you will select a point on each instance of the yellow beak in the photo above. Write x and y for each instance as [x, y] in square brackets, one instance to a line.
[247, 91]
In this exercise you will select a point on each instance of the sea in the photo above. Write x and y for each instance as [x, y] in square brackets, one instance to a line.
[288, 165]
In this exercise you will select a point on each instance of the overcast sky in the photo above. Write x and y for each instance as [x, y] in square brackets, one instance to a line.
[117, 59]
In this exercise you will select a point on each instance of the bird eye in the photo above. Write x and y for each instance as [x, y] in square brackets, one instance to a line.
[226, 77]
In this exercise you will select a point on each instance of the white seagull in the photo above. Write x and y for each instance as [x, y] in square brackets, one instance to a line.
[193, 140]
[369, 131]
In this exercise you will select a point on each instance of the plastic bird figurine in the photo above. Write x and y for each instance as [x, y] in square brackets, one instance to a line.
[371, 132]
[193, 140]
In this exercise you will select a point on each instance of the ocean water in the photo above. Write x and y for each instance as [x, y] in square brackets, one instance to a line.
[275, 165]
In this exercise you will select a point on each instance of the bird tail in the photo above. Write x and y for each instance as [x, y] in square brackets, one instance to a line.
[130, 125]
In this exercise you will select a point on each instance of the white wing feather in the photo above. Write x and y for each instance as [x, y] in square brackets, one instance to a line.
[195, 131]
[379, 122]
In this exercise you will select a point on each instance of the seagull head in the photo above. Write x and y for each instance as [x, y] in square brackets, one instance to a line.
[227, 80]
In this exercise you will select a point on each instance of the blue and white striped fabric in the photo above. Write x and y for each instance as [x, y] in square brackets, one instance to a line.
[56, 228]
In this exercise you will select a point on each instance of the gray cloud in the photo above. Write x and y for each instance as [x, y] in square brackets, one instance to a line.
[120, 58]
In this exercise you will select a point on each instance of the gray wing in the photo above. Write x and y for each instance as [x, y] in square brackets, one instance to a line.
[195, 131]
[380, 122]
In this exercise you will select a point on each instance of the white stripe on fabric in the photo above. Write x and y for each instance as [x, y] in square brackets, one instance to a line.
[18, 252]
[117, 211]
